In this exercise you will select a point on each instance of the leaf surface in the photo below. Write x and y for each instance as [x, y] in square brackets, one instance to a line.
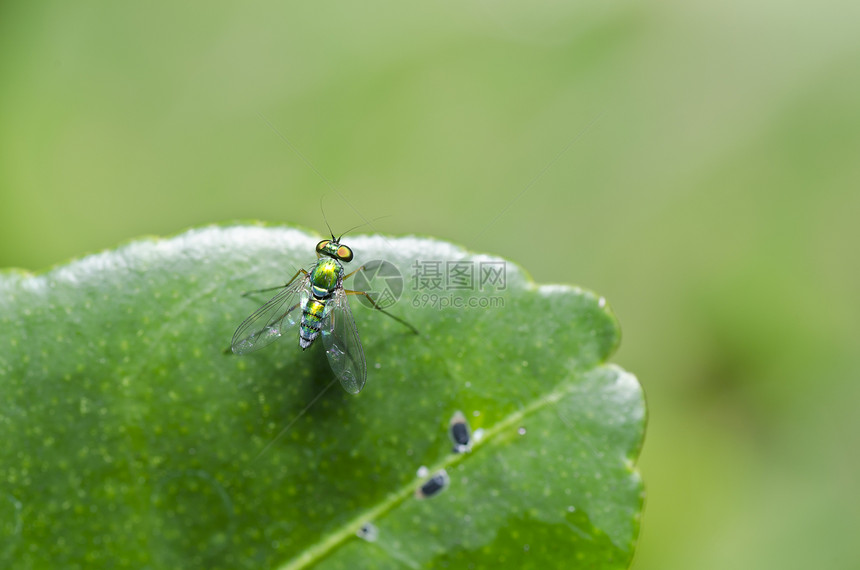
[131, 439]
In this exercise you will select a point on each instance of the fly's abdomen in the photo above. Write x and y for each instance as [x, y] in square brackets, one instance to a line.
[313, 312]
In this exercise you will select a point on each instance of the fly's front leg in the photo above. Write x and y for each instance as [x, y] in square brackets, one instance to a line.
[350, 274]
[300, 271]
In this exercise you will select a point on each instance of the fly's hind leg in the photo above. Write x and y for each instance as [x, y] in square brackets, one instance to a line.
[380, 309]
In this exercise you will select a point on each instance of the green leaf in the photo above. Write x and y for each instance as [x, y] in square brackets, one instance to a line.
[131, 439]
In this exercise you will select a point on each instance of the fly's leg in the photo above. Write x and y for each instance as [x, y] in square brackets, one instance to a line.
[380, 309]
[372, 302]
[351, 273]
[300, 271]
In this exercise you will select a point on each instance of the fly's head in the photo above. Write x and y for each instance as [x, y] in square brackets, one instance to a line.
[334, 249]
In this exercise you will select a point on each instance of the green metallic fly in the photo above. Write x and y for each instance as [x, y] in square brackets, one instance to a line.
[324, 303]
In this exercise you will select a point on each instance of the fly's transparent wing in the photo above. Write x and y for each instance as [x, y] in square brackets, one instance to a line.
[342, 345]
[270, 321]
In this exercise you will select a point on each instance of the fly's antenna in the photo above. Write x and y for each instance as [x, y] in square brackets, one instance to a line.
[337, 239]
[317, 172]
[331, 233]
[360, 226]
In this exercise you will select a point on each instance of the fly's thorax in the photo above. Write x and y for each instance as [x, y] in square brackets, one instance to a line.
[325, 277]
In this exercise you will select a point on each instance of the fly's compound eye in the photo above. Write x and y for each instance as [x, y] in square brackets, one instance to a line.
[344, 253]
[322, 245]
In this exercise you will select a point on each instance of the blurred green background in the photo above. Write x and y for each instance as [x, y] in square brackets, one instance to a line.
[696, 163]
